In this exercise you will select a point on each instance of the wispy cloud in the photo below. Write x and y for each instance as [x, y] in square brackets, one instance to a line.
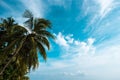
[103, 22]
[63, 3]
[105, 6]
[5, 5]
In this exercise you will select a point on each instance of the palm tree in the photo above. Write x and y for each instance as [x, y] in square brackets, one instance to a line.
[26, 43]
[10, 34]
[38, 37]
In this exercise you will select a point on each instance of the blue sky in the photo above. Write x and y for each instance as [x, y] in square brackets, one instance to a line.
[87, 45]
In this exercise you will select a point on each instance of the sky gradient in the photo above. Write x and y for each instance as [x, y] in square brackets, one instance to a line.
[87, 45]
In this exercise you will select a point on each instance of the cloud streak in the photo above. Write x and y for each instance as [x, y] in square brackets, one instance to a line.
[61, 3]
[5, 5]
[103, 22]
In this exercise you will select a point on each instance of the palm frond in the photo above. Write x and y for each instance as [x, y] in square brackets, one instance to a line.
[40, 23]
[29, 22]
[41, 50]
[45, 33]
[27, 14]
[44, 41]
[33, 54]
[47, 23]
[8, 23]
[20, 29]
[11, 45]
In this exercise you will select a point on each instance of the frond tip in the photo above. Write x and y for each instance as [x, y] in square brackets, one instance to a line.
[27, 14]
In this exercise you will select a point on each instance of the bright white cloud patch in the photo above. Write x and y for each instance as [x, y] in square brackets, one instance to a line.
[72, 46]
[60, 39]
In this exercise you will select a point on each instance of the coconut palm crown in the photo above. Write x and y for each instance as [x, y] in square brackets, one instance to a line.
[23, 43]
[36, 40]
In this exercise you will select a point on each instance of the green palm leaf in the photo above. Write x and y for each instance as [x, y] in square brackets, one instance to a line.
[40, 23]
[44, 41]
[41, 50]
[45, 33]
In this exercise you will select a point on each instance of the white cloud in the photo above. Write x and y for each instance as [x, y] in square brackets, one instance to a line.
[70, 45]
[60, 40]
[69, 38]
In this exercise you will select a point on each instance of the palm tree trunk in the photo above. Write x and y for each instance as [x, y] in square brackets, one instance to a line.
[15, 53]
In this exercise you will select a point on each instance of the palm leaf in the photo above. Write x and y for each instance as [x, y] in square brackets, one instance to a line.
[33, 54]
[45, 22]
[19, 28]
[44, 41]
[41, 50]
[29, 22]
[45, 33]
[40, 23]
[27, 14]
[11, 45]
